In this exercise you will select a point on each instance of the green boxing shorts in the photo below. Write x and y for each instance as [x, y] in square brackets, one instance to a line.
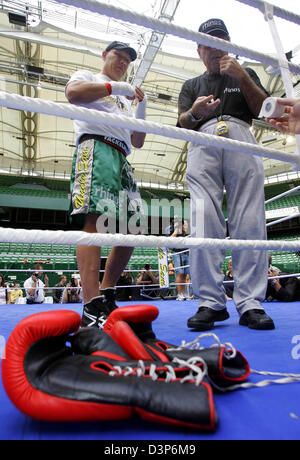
[102, 182]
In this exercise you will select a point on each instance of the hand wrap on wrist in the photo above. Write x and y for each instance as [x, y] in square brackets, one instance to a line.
[120, 89]
[140, 112]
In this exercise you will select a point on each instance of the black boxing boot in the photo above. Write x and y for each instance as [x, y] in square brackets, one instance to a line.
[97, 310]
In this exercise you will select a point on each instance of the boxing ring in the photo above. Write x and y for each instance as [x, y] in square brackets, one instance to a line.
[268, 406]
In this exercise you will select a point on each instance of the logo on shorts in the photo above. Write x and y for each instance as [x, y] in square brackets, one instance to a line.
[129, 185]
[83, 168]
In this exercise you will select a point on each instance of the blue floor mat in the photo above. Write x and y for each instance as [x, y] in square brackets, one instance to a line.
[271, 412]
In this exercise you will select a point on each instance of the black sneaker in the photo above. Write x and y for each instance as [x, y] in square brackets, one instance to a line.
[256, 319]
[205, 318]
[96, 312]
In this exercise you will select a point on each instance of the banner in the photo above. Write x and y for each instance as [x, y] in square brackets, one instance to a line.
[281, 212]
[163, 268]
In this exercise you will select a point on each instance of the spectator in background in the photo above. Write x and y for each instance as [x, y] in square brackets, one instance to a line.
[58, 292]
[38, 262]
[229, 285]
[4, 291]
[181, 259]
[126, 291]
[271, 266]
[146, 278]
[72, 292]
[282, 289]
[34, 286]
[15, 293]
[170, 265]
[189, 288]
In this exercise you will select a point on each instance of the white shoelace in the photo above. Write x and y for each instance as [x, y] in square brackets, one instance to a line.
[196, 373]
[230, 350]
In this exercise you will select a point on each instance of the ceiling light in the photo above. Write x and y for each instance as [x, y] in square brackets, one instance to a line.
[34, 69]
[269, 138]
[17, 19]
[165, 97]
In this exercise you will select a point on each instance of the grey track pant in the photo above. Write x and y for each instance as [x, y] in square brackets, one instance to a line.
[209, 170]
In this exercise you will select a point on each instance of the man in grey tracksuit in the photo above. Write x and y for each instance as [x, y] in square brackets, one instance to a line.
[223, 101]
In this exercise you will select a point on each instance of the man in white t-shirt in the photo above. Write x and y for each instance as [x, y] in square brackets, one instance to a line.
[101, 174]
[34, 286]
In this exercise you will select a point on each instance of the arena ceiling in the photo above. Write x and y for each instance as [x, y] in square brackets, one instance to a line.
[37, 61]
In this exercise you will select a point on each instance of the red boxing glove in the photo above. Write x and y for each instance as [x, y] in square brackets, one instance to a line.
[124, 326]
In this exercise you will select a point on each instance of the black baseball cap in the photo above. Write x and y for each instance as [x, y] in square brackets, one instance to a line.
[215, 27]
[124, 47]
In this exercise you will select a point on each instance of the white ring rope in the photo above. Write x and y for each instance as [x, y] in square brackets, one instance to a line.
[282, 195]
[279, 12]
[76, 270]
[95, 6]
[79, 238]
[283, 219]
[24, 103]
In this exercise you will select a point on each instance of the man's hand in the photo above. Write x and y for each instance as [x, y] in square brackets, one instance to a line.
[231, 67]
[141, 103]
[275, 281]
[139, 95]
[291, 122]
[204, 106]
[121, 89]
[253, 94]
[138, 138]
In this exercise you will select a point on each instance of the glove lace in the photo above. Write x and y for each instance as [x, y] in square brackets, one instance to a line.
[167, 372]
[230, 350]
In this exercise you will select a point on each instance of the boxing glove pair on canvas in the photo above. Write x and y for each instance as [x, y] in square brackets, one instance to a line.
[56, 371]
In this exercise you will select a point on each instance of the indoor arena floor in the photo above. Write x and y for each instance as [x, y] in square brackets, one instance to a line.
[269, 413]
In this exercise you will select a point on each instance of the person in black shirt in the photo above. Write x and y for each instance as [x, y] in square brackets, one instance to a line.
[285, 289]
[125, 291]
[147, 277]
[222, 102]
[58, 293]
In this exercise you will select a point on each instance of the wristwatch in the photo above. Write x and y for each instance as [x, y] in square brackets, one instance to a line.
[192, 118]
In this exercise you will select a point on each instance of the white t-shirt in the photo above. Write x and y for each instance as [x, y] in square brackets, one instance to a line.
[3, 295]
[39, 295]
[117, 105]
